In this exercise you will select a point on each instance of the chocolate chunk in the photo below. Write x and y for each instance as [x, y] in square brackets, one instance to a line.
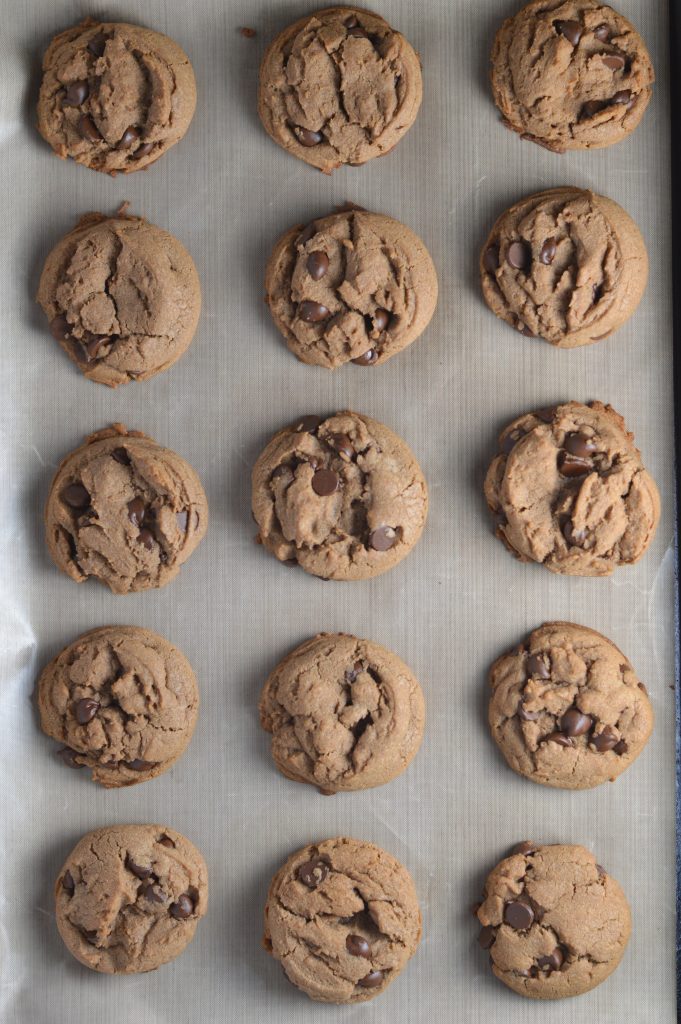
[182, 518]
[139, 872]
[552, 962]
[560, 738]
[519, 255]
[536, 666]
[548, 252]
[518, 915]
[60, 328]
[166, 841]
[572, 30]
[591, 108]
[525, 848]
[97, 44]
[313, 872]
[147, 538]
[487, 936]
[572, 536]
[68, 756]
[317, 265]
[325, 482]
[623, 97]
[342, 444]
[358, 946]
[490, 260]
[138, 765]
[150, 891]
[575, 723]
[602, 32]
[76, 94]
[367, 358]
[307, 424]
[143, 150]
[121, 455]
[136, 511]
[75, 496]
[381, 319]
[306, 137]
[383, 538]
[312, 312]
[371, 980]
[614, 61]
[67, 883]
[129, 137]
[569, 465]
[86, 709]
[526, 716]
[88, 129]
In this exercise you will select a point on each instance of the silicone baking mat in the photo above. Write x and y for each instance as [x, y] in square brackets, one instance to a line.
[449, 609]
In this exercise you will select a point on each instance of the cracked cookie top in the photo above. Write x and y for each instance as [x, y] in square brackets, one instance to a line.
[114, 97]
[568, 489]
[129, 897]
[344, 714]
[125, 510]
[122, 298]
[343, 919]
[554, 922]
[122, 701]
[564, 265]
[567, 708]
[339, 86]
[343, 497]
[570, 74]
[351, 287]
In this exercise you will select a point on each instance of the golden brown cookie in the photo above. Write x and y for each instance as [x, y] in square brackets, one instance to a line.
[339, 86]
[567, 708]
[343, 497]
[344, 714]
[114, 97]
[122, 298]
[125, 510]
[568, 489]
[554, 923]
[343, 919]
[565, 265]
[122, 701]
[570, 74]
[129, 897]
[351, 287]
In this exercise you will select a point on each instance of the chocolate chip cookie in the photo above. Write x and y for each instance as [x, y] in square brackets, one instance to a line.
[343, 919]
[351, 287]
[344, 714]
[570, 74]
[568, 489]
[122, 298]
[339, 86]
[553, 922]
[125, 510]
[343, 497]
[567, 708]
[129, 898]
[565, 265]
[122, 701]
[114, 97]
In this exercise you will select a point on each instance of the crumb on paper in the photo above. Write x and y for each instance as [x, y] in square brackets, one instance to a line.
[248, 33]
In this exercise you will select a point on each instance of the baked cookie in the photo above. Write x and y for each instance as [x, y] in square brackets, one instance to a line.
[564, 265]
[344, 714]
[343, 497]
[129, 897]
[122, 298]
[570, 74]
[114, 97]
[125, 510]
[122, 700]
[568, 489]
[567, 708]
[339, 86]
[554, 923]
[343, 919]
[351, 287]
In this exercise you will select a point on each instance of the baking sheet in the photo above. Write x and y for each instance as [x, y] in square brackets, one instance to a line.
[459, 600]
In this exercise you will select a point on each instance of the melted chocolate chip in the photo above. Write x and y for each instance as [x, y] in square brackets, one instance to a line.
[575, 723]
[317, 265]
[371, 980]
[614, 61]
[182, 518]
[572, 30]
[367, 358]
[548, 252]
[602, 33]
[342, 444]
[86, 709]
[88, 129]
[60, 328]
[325, 482]
[68, 756]
[552, 962]
[306, 137]
[307, 424]
[129, 137]
[76, 94]
[121, 455]
[536, 666]
[570, 465]
[139, 872]
[138, 765]
[136, 511]
[67, 883]
[624, 97]
[147, 538]
[381, 319]
[580, 445]
[487, 936]
[166, 841]
[519, 916]
[313, 872]
[383, 538]
[312, 312]
[356, 945]
[524, 714]
[75, 496]
[143, 150]
[572, 536]
[526, 848]
[591, 108]
[97, 44]
[490, 260]
[560, 738]
[519, 255]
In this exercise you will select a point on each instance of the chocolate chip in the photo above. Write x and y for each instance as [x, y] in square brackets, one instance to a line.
[367, 358]
[383, 538]
[138, 872]
[621, 748]
[317, 265]
[312, 312]
[523, 329]
[548, 414]
[67, 883]
[371, 980]
[572, 30]
[572, 536]
[351, 22]
[129, 137]
[519, 255]
[536, 666]
[88, 129]
[136, 511]
[358, 946]
[487, 936]
[166, 841]
[86, 709]
[548, 252]
[90, 936]
[313, 872]
[147, 538]
[138, 765]
[602, 32]
[68, 756]
[143, 150]
[580, 445]
[93, 345]
[60, 328]
[614, 61]
[575, 723]
[591, 108]
[75, 496]
[182, 518]
[325, 482]
[150, 891]
[490, 260]
[381, 319]
[76, 94]
[121, 455]
[518, 915]
[641, 686]
[560, 738]
[525, 848]
[308, 424]
[552, 962]
[569, 465]
[342, 444]
[624, 98]
[526, 716]
[306, 137]
[97, 44]
[307, 233]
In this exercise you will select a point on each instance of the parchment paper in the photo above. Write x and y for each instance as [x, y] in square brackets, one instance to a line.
[449, 609]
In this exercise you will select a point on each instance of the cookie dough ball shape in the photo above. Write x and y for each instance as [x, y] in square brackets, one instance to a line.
[122, 298]
[129, 897]
[554, 923]
[567, 708]
[114, 97]
[565, 265]
[123, 701]
[343, 919]
[570, 74]
[343, 497]
[568, 489]
[351, 287]
[125, 510]
[339, 86]
[345, 714]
